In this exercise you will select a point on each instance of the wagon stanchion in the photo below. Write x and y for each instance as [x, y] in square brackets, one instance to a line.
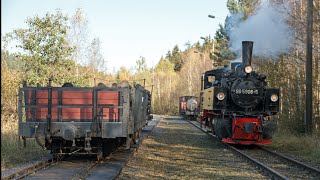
[19, 109]
[49, 115]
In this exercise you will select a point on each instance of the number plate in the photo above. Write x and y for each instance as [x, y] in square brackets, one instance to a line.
[247, 91]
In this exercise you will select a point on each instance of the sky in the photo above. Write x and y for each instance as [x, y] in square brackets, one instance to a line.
[129, 29]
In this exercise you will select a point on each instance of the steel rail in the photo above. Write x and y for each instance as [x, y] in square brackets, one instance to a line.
[85, 172]
[82, 175]
[90, 168]
[271, 171]
[293, 161]
[23, 173]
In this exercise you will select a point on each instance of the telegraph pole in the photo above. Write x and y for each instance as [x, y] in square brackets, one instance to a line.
[308, 108]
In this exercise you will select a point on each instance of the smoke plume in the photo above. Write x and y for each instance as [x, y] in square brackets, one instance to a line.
[267, 28]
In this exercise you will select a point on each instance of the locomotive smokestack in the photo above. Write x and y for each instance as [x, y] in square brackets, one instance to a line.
[246, 53]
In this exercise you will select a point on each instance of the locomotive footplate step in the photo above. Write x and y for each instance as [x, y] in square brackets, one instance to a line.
[177, 150]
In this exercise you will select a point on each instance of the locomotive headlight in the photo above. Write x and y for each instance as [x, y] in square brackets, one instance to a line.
[220, 96]
[248, 69]
[274, 98]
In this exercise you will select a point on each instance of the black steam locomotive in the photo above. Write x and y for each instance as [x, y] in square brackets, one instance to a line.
[235, 102]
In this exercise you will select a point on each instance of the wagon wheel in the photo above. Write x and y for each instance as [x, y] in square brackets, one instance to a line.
[58, 157]
[194, 118]
[99, 156]
[108, 146]
[135, 137]
[128, 141]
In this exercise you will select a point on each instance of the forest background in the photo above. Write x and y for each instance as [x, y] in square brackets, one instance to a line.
[58, 47]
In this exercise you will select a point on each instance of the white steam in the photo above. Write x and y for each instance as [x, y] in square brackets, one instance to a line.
[267, 28]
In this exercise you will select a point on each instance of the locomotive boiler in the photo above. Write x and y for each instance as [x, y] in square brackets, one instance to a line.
[235, 102]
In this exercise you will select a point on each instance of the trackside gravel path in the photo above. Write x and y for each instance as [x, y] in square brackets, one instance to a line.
[177, 150]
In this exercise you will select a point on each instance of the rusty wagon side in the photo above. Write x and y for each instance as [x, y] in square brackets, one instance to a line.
[82, 120]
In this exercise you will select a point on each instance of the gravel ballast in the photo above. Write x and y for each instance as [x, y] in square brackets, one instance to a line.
[177, 150]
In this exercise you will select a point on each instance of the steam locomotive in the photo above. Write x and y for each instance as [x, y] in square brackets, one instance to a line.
[188, 107]
[235, 102]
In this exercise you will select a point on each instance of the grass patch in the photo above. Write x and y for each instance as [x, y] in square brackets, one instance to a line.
[11, 154]
[304, 147]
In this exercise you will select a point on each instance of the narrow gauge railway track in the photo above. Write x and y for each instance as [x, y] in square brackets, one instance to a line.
[297, 163]
[288, 167]
[107, 168]
[29, 170]
[87, 170]
[95, 165]
[114, 163]
[275, 165]
[70, 168]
